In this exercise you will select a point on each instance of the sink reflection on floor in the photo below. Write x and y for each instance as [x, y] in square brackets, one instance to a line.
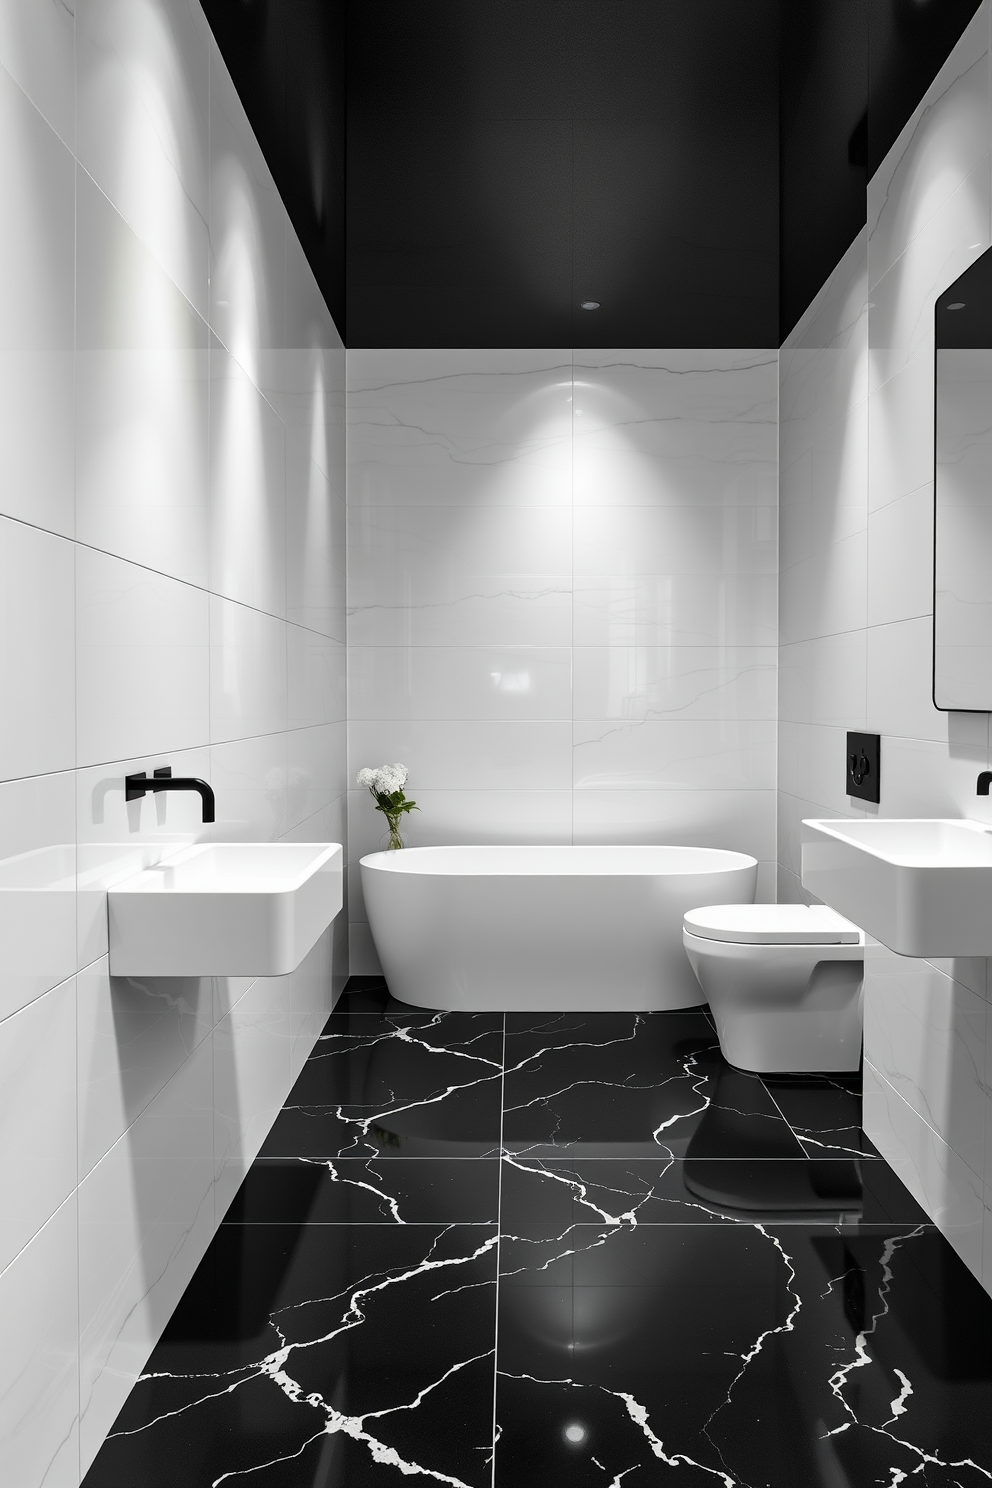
[648, 1260]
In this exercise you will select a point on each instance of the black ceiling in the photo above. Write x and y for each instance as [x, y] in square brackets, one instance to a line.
[464, 172]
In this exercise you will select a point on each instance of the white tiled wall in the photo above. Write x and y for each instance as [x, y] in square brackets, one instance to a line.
[171, 591]
[562, 597]
[856, 498]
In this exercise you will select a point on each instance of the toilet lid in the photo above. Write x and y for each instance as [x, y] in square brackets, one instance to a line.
[772, 924]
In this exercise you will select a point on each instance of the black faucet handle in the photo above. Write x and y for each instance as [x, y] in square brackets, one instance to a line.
[984, 781]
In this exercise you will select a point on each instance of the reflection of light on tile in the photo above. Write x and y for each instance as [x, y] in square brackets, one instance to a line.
[239, 263]
[515, 682]
[150, 136]
[240, 507]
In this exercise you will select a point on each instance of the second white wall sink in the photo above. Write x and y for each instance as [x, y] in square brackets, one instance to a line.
[225, 909]
[922, 887]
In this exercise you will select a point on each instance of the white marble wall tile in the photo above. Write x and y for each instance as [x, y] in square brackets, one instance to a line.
[926, 1035]
[654, 682]
[37, 1115]
[39, 1379]
[970, 971]
[944, 140]
[248, 687]
[117, 838]
[38, 49]
[311, 1000]
[795, 681]
[900, 558]
[312, 388]
[316, 771]
[37, 299]
[247, 235]
[247, 490]
[900, 451]
[145, 1219]
[900, 322]
[460, 682]
[789, 889]
[141, 400]
[838, 677]
[657, 429]
[923, 778]
[792, 812]
[328, 824]
[483, 428]
[674, 754]
[315, 542]
[142, 660]
[934, 1174]
[462, 754]
[134, 1034]
[815, 766]
[821, 363]
[251, 1078]
[423, 576]
[793, 751]
[38, 878]
[364, 959]
[250, 781]
[741, 820]
[824, 489]
[900, 680]
[697, 539]
[36, 652]
[317, 683]
[827, 593]
[142, 125]
[714, 609]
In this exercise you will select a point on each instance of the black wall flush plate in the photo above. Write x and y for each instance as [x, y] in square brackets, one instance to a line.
[862, 766]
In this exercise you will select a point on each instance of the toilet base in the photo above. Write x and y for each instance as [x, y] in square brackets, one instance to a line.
[794, 1014]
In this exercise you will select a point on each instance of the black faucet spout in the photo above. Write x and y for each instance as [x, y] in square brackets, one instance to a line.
[136, 786]
[984, 781]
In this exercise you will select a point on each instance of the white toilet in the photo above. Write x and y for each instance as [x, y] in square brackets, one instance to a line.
[784, 984]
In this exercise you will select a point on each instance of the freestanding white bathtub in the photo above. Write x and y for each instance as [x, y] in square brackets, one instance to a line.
[545, 929]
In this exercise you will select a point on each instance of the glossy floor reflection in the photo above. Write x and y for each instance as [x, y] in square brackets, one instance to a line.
[673, 1267]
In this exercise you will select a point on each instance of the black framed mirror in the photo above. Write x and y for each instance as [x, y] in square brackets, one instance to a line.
[962, 568]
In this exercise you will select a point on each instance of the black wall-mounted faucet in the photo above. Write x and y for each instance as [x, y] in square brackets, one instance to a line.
[984, 781]
[136, 786]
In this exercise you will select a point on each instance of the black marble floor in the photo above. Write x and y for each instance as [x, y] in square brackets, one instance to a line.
[578, 1250]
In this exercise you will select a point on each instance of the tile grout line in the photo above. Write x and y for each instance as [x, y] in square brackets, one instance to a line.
[499, 1227]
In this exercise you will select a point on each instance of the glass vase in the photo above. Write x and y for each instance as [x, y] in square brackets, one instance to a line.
[393, 841]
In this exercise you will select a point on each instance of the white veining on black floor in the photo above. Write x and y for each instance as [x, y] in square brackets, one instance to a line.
[496, 1253]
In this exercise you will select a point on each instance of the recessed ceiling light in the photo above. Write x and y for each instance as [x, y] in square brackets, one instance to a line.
[589, 305]
[575, 1433]
[958, 305]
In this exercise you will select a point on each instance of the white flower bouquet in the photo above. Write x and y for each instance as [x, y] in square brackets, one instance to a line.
[385, 784]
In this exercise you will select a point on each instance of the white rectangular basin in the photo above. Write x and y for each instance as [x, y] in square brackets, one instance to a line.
[225, 909]
[922, 887]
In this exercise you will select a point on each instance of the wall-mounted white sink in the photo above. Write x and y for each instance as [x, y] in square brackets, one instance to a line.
[923, 888]
[225, 909]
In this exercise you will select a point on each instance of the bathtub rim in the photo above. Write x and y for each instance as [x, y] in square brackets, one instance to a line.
[711, 860]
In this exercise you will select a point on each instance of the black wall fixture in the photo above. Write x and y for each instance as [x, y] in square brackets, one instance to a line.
[696, 166]
[863, 761]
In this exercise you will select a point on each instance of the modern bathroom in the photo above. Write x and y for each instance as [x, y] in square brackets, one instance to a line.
[495, 756]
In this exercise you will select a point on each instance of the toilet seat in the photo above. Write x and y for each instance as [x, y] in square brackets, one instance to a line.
[772, 924]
